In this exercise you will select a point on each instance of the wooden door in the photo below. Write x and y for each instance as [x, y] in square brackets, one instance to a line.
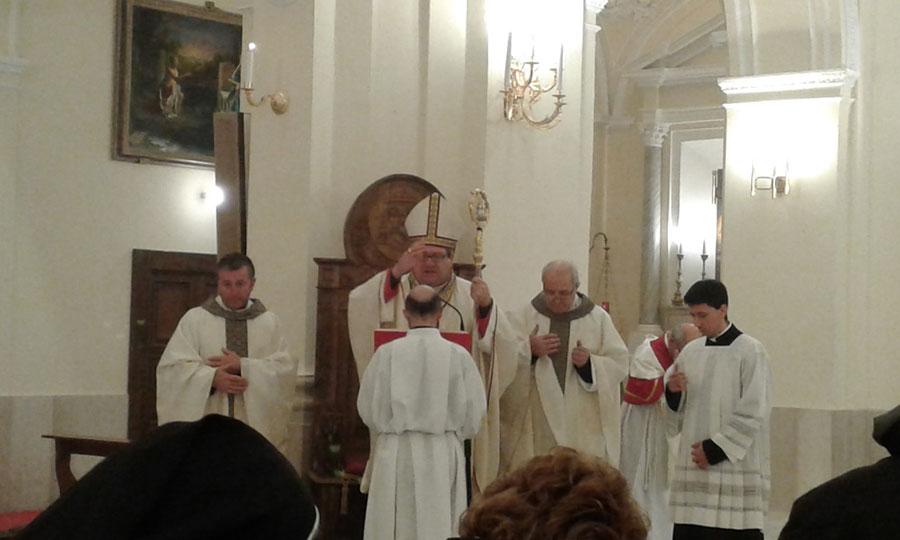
[164, 285]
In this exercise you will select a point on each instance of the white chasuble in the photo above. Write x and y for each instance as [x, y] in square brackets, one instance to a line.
[538, 413]
[184, 380]
[421, 396]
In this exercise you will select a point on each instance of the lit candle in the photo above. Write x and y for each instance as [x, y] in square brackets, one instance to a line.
[704, 247]
[508, 61]
[679, 249]
[251, 50]
[559, 77]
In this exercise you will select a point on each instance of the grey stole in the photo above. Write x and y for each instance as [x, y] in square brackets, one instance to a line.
[235, 330]
[561, 324]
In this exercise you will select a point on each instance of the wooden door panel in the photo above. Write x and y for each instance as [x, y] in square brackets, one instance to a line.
[164, 285]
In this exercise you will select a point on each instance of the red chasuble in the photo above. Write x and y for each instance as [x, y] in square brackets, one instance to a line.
[648, 391]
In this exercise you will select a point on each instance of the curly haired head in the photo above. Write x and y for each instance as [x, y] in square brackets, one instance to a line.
[563, 495]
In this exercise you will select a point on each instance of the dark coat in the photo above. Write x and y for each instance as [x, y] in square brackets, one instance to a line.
[213, 478]
[858, 505]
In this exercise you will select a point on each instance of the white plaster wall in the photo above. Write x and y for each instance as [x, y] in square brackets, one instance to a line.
[876, 199]
[782, 258]
[540, 190]
[9, 111]
[78, 214]
[278, 224]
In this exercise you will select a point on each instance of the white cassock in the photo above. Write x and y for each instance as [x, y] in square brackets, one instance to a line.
[537, 413]
[368, 310]
[421, 396]
[644, 459]
[184, 379]
[728, 399]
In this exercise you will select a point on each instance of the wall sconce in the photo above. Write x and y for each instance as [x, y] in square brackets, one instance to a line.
[278, 100]
[212, 196]
[772, 178]
[523, 88]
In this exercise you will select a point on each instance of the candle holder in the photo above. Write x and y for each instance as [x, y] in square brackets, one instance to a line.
[604, 271]
[278, 100]
[703, 257]
[677, 300]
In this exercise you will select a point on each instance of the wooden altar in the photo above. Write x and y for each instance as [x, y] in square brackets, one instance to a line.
[374, 238]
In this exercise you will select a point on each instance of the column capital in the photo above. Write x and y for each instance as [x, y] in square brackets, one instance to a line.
[654, 134]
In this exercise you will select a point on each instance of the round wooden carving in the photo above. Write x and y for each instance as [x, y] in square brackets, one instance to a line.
[375, 229]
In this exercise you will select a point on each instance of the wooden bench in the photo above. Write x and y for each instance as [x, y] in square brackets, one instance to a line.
[66, 445]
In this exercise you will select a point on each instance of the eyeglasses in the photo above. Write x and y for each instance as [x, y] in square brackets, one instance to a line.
[435, 257]
[561, 294]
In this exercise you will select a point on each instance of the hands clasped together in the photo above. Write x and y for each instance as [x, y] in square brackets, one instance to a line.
[228, 378]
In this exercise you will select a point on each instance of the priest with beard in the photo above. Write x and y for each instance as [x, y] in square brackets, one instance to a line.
[569, 362]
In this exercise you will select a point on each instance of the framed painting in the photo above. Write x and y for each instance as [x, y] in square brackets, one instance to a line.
[176, 65]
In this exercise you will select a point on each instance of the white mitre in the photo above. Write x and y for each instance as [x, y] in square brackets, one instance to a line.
[434, 220]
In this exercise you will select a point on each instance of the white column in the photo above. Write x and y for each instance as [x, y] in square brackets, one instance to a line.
[652, 136]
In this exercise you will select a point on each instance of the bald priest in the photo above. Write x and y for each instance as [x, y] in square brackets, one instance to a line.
[434, 229]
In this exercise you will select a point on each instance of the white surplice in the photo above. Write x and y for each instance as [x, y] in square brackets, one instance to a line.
[728, 399]
[537, 414]
[421, 396]
[184, 379]
[368, 310]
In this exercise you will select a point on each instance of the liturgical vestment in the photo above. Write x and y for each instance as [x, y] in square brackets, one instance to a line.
[644, 459]
[421, 396]
[371, 308]
[184, 380]
[728, 400]
[549, 404]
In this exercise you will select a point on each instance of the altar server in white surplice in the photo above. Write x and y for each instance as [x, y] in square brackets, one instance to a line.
[570, 362]
[644, 460]
[719, 396]
[420, 396]
[229, 356]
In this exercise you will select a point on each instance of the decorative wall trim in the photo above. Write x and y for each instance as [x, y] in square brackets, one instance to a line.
[803, 84]
[692, 115]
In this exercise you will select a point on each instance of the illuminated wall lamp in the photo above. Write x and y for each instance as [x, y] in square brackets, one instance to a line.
[523, 87]
[278, 100]
[770, 178]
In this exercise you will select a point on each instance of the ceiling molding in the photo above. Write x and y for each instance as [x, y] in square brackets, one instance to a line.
[680, 50]
[664, 77]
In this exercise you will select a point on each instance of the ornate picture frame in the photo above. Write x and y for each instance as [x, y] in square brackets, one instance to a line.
[176, 64]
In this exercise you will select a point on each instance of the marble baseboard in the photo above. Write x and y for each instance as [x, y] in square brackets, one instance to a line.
[27, 476]
[26, 465]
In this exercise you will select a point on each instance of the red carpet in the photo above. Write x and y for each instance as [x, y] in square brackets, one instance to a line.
[13, 520]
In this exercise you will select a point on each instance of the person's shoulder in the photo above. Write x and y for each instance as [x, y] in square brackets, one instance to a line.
[748, 342]
[599, 313]
[367, 284]
[693, 347]
[196, 313]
